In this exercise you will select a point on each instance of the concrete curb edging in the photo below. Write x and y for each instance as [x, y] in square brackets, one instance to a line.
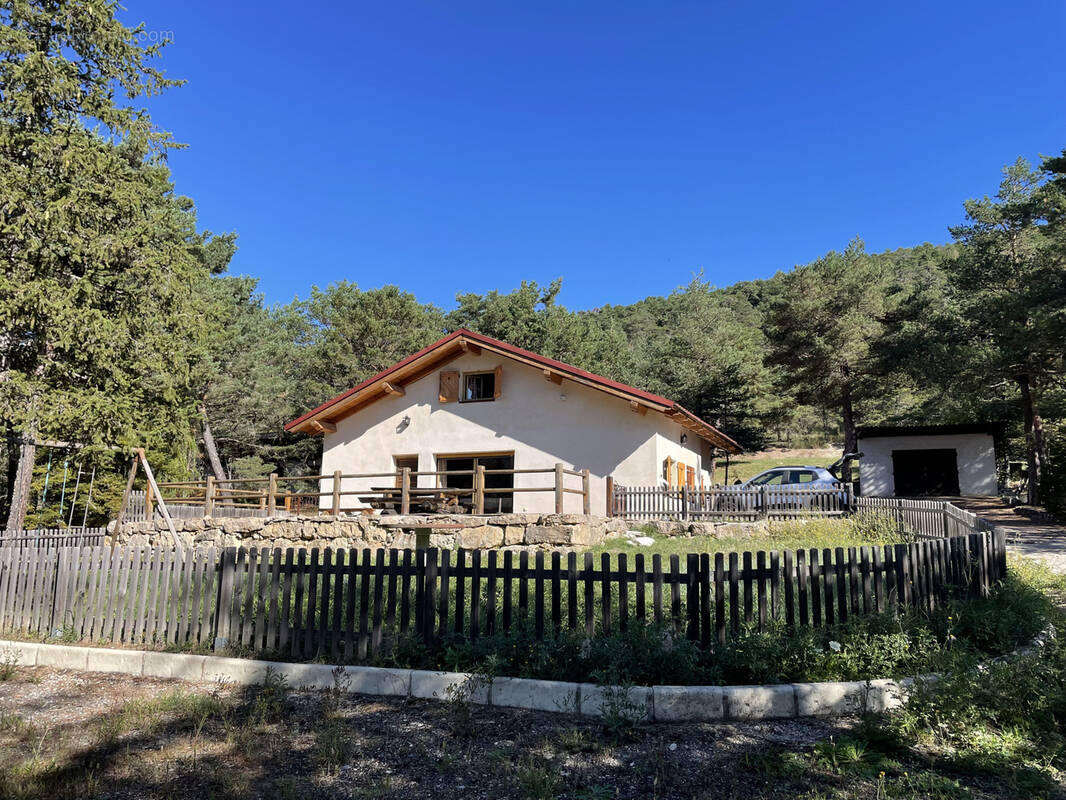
[659, 703]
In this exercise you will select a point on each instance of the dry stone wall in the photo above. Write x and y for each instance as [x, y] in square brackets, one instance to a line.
[497, 531]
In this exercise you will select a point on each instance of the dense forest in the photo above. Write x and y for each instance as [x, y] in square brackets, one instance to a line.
[120, 325]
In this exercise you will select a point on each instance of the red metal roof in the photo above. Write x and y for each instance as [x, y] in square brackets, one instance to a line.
[543, 361]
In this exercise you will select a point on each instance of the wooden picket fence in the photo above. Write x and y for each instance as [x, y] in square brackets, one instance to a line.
[352, 605]
[51, 538]
[722, 503]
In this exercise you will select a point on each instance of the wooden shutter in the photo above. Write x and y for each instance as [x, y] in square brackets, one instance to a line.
[498, 382]
[680, 474]
[449, 386]
[691, 475]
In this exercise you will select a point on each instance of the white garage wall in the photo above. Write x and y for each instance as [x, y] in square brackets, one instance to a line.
[588, 429]
[976, 460]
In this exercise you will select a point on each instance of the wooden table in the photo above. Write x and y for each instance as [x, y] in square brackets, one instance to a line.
[432, 500]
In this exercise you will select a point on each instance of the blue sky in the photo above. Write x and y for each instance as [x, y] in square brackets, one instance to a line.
[621, 146]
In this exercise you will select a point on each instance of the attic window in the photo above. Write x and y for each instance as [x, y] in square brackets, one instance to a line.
[479, 386]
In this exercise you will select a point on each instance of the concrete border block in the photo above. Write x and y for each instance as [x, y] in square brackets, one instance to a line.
[829, 698]
[181, 666]
[241, 671]
[60, 656]
[305, 676]
[379, 680]
[534, 694]
[435, 685]
[688, 703]
[759, 702]
[884, 695]
[26, 651]
[595, 700]
[128, 662]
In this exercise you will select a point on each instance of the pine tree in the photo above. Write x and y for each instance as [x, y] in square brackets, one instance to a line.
[100, 291]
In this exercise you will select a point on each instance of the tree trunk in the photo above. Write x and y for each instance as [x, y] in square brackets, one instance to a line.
[1035, 441]
[210, 449]
[851, 437]
[11, 454]
[20, 490]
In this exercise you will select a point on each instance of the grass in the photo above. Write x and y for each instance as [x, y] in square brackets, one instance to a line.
[867, 529]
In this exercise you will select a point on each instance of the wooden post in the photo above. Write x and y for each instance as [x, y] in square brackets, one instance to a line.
[405, 490]
[764, 497]
[126, 494]
[336, 507]
[999, 538]
[272, 491]
[586, 501]
[558, 488]
[610, 495]
[479, 490]
[162, 505]
[209, 497]
[288, 500]
[148, 502]
[850, 497]
[684, 502]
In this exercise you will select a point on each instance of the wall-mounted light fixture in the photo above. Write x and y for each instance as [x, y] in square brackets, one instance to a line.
[402, 426]
[684, 438]
[562, 396]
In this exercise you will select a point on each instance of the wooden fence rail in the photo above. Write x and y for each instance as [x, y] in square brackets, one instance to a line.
[354, 604]
[731, 502]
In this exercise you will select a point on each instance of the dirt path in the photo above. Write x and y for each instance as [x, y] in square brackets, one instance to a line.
[1030, 532]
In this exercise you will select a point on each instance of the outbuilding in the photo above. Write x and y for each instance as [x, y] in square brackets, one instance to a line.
[929, 461]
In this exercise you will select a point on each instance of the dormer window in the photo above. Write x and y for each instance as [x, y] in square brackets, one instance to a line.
[479, 386]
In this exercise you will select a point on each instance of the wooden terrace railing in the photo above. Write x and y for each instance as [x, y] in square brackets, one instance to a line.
[398, 491]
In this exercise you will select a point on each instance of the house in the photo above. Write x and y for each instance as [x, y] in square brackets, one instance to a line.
[469, 400]
[929, 460]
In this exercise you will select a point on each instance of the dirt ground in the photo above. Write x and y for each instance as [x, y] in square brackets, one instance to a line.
[73, 735]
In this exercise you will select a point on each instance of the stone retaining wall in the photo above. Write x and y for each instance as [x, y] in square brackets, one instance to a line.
[496, 531]
[486, 532]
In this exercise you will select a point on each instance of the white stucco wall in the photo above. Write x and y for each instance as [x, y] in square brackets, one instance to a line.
[589, 429]
[976, 460]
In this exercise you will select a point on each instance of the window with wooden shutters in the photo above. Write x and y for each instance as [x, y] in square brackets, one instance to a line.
[499, 382]
[449, 386]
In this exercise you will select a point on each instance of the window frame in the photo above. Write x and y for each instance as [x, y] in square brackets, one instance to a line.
[462, 386]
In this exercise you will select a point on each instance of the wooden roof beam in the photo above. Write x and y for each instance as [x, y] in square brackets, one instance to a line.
[638, 407]
[553, 377]
[469, 347]
[393, 388]
[323, 427]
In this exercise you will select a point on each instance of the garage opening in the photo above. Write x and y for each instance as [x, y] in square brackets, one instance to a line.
[496, 501]
[925, 473]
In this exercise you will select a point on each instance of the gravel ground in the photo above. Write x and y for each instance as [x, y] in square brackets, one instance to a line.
[1030, 532]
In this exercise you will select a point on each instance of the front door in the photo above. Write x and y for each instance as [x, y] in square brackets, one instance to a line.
[932, 472]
